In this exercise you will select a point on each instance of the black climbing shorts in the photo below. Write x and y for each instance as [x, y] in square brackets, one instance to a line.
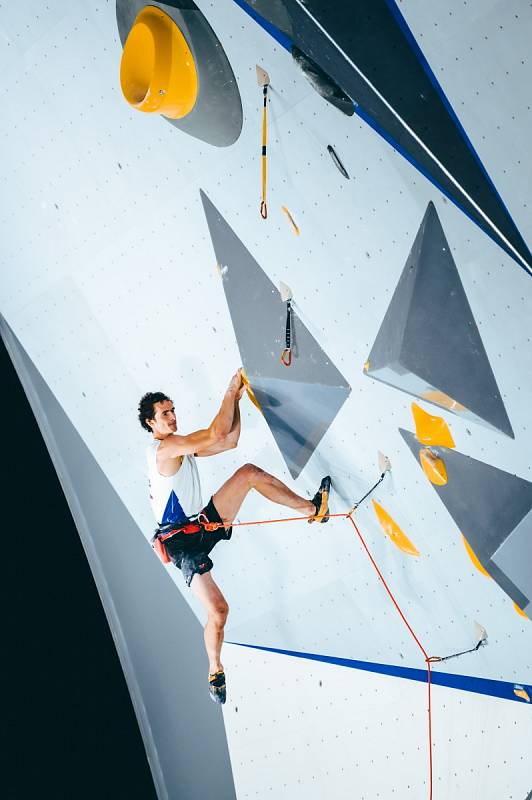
[190, 552]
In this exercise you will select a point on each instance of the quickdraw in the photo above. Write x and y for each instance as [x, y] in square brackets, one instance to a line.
[356, 505]
[264, 81]
[263, 206]
[435, 659]
[286, 355]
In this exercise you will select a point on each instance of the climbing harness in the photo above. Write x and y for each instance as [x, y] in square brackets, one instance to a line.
[336, 159]
[170, 529]
[286, 355]
[264, 81]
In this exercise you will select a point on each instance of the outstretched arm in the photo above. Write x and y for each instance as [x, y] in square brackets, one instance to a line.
[213, 436]
[231, 440]
[234, 434]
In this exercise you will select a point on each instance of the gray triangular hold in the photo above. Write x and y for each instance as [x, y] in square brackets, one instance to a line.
[158, 639]
[488, 505]
[284, 401]
[299, 402]
[428, 344]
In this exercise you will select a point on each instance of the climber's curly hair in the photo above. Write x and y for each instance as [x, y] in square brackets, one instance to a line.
[146, 407]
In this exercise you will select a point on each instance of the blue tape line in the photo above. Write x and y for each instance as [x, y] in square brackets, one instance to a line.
[409, 36]
[278, 35]
[465, 683]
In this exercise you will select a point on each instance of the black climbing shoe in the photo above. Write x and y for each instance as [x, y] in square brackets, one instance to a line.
[217, 687]
[321, 501]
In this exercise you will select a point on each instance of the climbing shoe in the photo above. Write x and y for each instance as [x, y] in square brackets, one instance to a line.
[321, 501]
[217, 687]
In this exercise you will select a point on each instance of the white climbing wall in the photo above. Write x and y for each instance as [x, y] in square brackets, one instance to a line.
[110, 284]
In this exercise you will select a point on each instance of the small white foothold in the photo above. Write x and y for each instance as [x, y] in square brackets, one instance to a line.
[384, 462]
[285, 292]
[263, 79]
[480, 633]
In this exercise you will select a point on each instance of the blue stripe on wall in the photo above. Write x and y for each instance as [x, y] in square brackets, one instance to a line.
[466, 683]
[410, 38]
[278, 35]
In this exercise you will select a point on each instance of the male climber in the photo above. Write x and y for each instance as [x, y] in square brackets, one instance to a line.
[182, 518]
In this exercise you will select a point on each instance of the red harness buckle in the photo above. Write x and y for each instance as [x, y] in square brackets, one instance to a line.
[207, 525]
[212, 526]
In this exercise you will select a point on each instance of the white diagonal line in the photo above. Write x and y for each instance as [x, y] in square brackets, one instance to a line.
[414, 135]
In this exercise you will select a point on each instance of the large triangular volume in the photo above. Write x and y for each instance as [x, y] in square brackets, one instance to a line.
[493, 510]
[301, 401]
[428, 344]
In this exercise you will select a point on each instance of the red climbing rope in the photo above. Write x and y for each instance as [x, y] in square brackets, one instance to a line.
[264, 521]
[428, 659]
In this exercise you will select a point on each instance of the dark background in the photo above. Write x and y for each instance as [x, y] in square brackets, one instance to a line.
[69, 727]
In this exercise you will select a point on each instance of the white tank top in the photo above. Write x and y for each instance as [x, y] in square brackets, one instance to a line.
[176, 497]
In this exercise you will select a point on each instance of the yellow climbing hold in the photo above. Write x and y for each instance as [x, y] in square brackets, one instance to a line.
[366, 365]
[157, 71]
[442, 399]
[433, 467]
[431, 430]
[520, 611]
[473, 556]
[291, 220]
[393, 531]
[521, 692]
[250, 392]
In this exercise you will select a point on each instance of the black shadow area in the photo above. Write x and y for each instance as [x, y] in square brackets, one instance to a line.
[69, 726]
